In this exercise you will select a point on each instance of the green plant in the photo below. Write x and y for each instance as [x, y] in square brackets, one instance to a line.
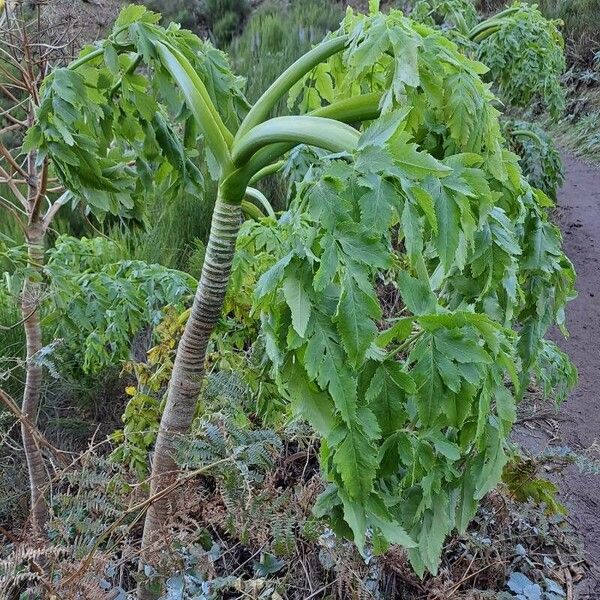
[413, 414]
[170, 233]
[234, 375]
[457, 13]
[142, 413]
[538, 156]
[12, 344]
[99, 303]
[525, 54]
[555, 373]
[521, 478]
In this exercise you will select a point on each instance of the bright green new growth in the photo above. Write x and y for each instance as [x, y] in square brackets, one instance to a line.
[413, 411]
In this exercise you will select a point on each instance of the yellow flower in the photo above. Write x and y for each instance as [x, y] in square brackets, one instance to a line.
[130, 390]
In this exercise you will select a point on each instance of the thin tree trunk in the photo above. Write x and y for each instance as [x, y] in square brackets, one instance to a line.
[188, 369]
[30, 301]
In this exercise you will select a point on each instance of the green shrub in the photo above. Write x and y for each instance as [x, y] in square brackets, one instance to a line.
[225, 28]
[580, 24]
[99, 302]
[186, 12]
[457, 13]
[538, 156]
[225, 18]
[525, 55]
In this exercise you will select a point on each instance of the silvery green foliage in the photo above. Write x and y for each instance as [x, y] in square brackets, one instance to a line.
[113, 132]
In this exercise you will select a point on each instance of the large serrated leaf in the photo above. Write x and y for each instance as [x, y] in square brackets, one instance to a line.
[299, 302]
[355, 320]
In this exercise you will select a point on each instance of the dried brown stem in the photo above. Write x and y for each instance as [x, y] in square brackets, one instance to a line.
[13, 163]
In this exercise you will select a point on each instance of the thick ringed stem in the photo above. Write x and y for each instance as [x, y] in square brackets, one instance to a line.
[188, 372]
[30, 302]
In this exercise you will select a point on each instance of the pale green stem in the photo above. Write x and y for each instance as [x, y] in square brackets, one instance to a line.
[313, 131]
[257, 195]
[263, 106]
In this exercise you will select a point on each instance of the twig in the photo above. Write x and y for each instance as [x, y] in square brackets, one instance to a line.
[475, 573]
[14, 189]
[14, 164]
[322, 589]
[569, 579]
[10, 128]
[37, 434]
[141, 506]
[4, 328]
[248, 559]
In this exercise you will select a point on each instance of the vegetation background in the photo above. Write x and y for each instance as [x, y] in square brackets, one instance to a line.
[81, 404]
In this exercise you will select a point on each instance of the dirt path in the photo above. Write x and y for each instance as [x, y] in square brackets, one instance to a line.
[578, 423]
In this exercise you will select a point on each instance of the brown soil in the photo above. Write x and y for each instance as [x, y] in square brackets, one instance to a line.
[577, 424]
[85, 20]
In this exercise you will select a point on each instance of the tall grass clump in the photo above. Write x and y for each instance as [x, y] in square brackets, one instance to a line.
[275, 36]
[8, 224]
[225, 18]
[581, 26]
[173, 235]
[12, 345]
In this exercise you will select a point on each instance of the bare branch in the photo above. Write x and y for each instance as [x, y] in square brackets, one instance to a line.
[10, 128]
[14, 189]
[14, 211]
[8, 93]
[37, 434]
[40, 189]
[54, 208]
[12, 162]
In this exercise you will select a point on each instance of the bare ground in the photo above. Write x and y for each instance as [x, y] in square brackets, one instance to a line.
[577, 424]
